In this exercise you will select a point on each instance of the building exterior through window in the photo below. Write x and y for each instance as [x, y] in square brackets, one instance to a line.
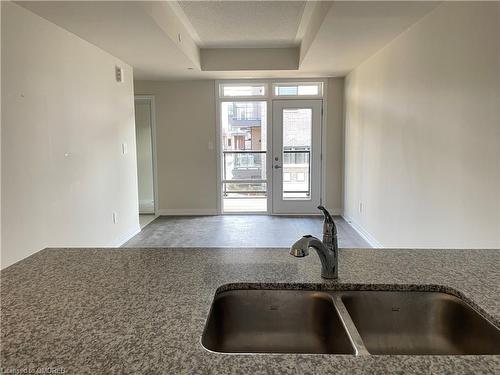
[244, 127]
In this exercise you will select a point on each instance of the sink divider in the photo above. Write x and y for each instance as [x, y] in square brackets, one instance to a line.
[352, 331]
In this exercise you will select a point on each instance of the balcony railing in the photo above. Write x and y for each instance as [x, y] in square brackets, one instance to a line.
[243, 165]
[246, 172]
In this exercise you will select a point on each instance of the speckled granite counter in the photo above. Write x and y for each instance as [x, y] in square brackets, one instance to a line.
[124, 311]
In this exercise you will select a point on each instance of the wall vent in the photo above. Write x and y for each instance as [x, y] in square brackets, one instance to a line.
[118, 74]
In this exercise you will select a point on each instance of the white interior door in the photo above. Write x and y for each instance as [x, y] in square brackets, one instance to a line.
[296, 158]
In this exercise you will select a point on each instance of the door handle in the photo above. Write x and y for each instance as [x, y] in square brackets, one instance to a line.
[277, 166]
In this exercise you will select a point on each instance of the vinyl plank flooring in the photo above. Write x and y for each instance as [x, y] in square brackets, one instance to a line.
[239, 231]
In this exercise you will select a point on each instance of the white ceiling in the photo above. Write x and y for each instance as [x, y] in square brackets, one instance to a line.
[244, 23]
[152, 36]
[122, 28]
[355, 30]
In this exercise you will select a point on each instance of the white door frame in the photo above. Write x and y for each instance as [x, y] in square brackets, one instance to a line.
[269, 98]
[152, 107]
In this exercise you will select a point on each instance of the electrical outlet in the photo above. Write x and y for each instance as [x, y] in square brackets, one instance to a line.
[115, 218]
[124, 148]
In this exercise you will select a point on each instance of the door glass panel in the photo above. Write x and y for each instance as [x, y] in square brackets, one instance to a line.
[244, 165]
[297, 141]
[244, 140]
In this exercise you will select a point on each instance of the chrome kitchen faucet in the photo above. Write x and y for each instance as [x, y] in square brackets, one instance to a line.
[327, 250]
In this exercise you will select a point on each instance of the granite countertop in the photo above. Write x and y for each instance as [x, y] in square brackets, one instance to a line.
[106, 311]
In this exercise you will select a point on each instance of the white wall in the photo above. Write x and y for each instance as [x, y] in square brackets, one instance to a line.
[187, 167]
[64, 119]
[423, 133]
[185, 125]
[334, 146]
[143, 133]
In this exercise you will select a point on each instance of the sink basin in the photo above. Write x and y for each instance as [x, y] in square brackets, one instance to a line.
[275, 321]
[419, 323]
[360, 322]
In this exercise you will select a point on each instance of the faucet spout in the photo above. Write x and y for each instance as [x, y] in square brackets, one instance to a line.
[326, 250]
[327, 257]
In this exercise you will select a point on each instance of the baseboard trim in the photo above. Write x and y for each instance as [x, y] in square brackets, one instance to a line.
[121, 241]
[212, 212]
[146, 207]
[187, 212]
[367, 236]
[332, 211]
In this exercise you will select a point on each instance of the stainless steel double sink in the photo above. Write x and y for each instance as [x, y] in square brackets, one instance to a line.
[361, 322]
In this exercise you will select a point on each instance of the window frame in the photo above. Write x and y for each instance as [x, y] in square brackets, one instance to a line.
[269, 97]
[222, 85]
[275, 85]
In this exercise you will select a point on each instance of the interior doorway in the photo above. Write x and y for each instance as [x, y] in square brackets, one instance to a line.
[146, 158]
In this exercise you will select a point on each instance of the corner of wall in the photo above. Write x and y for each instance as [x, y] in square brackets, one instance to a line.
[126, 237]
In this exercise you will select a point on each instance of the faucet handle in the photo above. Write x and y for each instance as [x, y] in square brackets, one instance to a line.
[329, 228]
[328, 217]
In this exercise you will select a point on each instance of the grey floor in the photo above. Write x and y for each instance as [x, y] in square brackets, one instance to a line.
[238, 231]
